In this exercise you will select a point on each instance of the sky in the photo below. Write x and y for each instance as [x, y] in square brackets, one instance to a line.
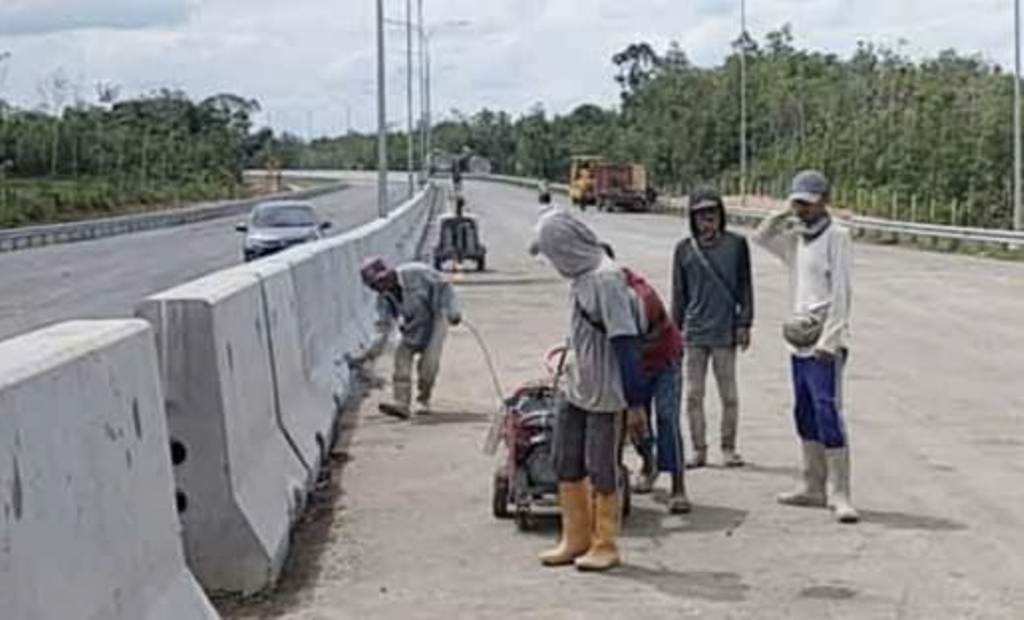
[311, 63]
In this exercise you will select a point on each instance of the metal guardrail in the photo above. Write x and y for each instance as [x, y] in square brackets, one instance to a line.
[861, 226]
[13, 239]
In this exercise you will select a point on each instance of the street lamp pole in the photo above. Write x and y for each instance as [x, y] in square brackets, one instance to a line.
[410, 138]
[429, 103]
[423, 92]
[1018, 211]
[382, 119]
[743, 102]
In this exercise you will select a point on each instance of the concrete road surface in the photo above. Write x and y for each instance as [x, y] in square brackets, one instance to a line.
[935, 412]
[107, 277]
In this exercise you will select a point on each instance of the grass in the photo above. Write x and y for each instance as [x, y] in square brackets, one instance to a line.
[33, 201]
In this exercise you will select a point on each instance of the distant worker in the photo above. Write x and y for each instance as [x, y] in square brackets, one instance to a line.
[543, 193]
[818, 252]
[456, 176]
[545, 208]
[713, 303]
[424, 305]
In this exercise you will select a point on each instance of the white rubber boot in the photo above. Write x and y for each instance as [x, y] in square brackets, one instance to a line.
[812, 491]
[839, 485]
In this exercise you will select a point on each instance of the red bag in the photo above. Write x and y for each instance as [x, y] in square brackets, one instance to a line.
[662, 344]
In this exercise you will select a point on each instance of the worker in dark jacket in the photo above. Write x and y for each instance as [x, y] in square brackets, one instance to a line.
[713, 303]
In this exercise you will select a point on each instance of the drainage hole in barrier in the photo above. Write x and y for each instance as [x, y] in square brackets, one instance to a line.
[181, 501]
[178, 452]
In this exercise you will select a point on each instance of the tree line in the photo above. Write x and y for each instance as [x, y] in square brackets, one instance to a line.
[890, 130]
[71, 158]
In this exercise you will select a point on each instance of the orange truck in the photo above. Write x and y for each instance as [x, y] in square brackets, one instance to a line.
[610, 186]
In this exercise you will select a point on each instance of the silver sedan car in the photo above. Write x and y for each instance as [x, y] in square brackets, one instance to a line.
[279, 225]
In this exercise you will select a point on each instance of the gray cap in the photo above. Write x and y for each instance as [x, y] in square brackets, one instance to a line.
[809, 186]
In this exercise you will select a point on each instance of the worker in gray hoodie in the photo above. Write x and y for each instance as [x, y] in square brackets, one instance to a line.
[604, 382]
[713, 303]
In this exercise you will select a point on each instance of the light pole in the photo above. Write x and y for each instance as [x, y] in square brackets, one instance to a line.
[426, 35]
[743, 102]
[410, 139]
[425, 171]
[382, 120]
[1018, 211]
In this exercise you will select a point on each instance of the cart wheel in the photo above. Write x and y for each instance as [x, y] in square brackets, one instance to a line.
[481, 264]
[524, 521]
[499, 501]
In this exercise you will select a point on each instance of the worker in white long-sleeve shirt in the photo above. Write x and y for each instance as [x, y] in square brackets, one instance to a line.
[818, 252]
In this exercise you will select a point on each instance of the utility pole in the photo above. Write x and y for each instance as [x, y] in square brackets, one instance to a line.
[429, 106]
[1018, 211]
[743, 102]
[423, 92]
[382, 119]
[410, 138]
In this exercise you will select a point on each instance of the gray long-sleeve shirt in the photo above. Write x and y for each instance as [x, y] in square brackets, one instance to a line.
[426, 298]
[702, 308]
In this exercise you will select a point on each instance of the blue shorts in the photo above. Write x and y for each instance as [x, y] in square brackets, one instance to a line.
[818, 391]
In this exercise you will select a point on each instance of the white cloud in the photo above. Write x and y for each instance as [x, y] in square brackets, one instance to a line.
[35, 17]
[310, 62]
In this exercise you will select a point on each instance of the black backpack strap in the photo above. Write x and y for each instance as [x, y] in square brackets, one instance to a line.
[598, 325]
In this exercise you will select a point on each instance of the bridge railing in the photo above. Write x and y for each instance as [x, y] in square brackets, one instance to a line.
[861, 226]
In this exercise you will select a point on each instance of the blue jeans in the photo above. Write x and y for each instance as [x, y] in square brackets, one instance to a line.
[818, 391]
[664, 393]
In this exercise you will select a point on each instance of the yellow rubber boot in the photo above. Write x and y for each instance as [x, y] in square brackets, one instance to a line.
[574, 499]
[603, 553]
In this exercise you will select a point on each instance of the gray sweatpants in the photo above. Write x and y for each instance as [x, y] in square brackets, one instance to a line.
[723, 362]
[588, 445]
[427, 367]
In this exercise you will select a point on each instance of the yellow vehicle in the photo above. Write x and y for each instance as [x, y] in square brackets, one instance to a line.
[581, 180]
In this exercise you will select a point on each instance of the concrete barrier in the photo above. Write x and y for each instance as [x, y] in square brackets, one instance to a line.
[88, 526]
[242, 482]
[306, 412]
[254, 361]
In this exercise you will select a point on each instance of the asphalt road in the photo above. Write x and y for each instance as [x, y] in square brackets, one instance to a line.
[935, 409]
[107, 277]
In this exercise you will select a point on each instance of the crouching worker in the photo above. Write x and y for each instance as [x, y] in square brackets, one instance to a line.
[660, 354]
[661, 350]
[423, 303]
[603, 381]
